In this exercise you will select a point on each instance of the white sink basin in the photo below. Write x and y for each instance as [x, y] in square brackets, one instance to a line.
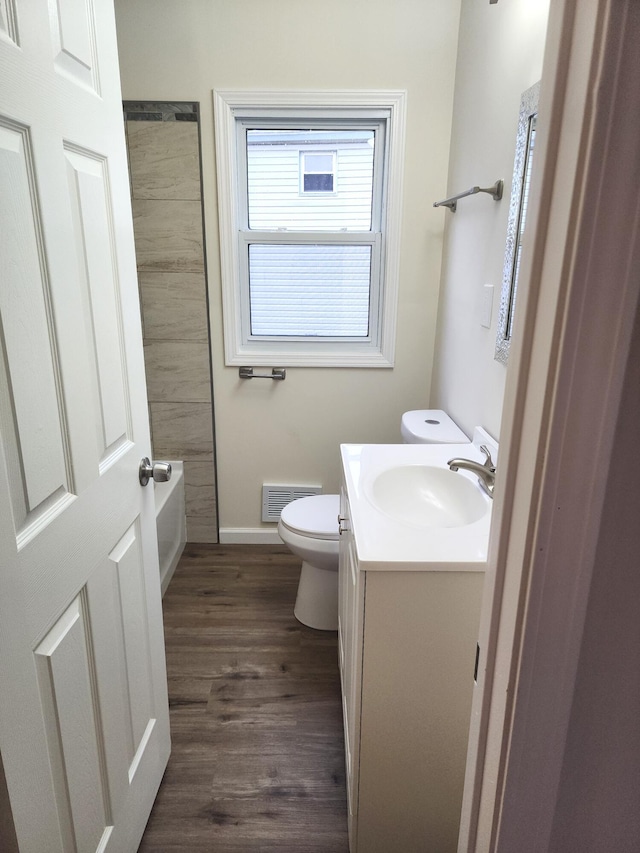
[409, 512]
[427, 496]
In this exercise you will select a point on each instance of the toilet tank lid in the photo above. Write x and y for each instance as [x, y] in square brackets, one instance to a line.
[316, 515]
[431, 426]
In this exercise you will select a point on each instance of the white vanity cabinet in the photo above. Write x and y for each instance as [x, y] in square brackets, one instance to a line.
[407, 643]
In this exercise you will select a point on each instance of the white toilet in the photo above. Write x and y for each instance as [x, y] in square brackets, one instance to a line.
[309, 527]
[430, 426]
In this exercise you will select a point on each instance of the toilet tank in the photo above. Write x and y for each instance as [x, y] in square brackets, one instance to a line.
[430, 426]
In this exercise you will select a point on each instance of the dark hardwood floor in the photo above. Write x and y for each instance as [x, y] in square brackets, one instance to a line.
[257, 759]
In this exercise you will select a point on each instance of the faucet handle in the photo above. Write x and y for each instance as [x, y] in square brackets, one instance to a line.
[487, 453]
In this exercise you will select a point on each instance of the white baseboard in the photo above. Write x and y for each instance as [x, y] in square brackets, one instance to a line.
[249, 536]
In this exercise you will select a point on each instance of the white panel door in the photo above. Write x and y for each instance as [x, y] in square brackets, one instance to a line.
[84, 730]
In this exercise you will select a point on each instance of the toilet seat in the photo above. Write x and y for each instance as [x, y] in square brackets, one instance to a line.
[315, 516]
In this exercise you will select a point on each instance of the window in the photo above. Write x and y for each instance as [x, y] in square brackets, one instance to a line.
[317, 171]
[309, 196]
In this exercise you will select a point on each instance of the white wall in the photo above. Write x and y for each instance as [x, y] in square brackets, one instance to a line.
[499, 56]
[290, 431]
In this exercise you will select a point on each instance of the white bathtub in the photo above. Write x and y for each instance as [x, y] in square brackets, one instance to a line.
[170, 522]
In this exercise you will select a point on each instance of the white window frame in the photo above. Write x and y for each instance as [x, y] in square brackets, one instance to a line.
[231, 107]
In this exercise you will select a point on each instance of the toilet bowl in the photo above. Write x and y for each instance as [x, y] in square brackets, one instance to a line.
[309, 527]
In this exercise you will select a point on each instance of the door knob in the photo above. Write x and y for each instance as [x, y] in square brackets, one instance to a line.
[159, 471]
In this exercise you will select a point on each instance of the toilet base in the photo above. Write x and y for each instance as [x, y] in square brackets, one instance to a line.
[317, 599]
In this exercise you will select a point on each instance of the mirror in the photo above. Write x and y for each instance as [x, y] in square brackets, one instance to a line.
[525, 142]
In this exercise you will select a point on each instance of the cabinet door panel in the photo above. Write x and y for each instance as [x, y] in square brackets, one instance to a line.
[351, 610]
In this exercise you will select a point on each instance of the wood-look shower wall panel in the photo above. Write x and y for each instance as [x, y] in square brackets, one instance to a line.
[164, 163]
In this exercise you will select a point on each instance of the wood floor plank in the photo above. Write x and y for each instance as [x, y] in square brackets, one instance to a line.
[257, 764]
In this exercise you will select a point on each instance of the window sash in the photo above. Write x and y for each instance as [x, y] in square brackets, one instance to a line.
[380, 166]
[284, 236]
[320, 238]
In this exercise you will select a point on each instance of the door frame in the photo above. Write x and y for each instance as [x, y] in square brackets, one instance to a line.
[563, 395]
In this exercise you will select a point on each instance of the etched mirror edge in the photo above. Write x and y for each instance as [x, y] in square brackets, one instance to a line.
[528, 108]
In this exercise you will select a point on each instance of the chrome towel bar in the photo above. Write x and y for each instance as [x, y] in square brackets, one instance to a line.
[276, 373]
[495, 192]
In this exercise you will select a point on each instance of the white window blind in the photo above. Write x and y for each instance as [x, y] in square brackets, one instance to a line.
[309, 291]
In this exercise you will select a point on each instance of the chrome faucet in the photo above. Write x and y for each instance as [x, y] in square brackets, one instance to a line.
[486, 470]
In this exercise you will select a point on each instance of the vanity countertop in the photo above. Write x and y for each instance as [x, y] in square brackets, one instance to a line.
[386, 543]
